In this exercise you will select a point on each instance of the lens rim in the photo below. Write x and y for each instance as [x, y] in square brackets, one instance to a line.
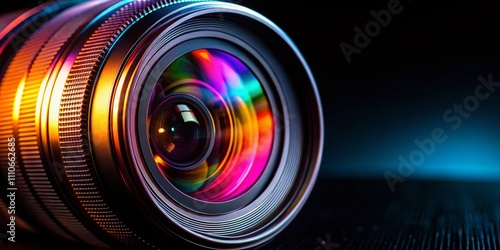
[157, 68]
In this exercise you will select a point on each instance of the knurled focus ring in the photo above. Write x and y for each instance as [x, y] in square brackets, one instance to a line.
[21, 85]
[73, 117]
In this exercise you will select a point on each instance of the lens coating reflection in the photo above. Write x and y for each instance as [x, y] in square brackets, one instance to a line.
[231, 114]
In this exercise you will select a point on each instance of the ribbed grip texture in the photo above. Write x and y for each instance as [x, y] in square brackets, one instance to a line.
[73, 118]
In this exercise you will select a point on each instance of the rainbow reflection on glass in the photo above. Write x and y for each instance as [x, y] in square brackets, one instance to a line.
[211, 127]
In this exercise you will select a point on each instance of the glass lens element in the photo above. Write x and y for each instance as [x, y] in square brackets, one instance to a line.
[211, 128]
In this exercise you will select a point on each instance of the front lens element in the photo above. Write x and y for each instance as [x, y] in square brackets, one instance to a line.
[211, 127]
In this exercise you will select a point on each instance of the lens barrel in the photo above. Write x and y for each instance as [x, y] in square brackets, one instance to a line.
[148, 124]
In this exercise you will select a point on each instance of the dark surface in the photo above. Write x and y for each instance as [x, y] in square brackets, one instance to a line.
[418, 215]
[365, 214]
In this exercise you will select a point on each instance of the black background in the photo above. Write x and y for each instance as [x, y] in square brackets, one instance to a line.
[446, 39]
[424, 60]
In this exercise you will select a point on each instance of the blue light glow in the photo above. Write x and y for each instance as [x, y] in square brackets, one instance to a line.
[372, 140]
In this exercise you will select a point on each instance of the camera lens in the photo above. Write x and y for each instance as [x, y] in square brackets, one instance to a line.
[155, 123]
